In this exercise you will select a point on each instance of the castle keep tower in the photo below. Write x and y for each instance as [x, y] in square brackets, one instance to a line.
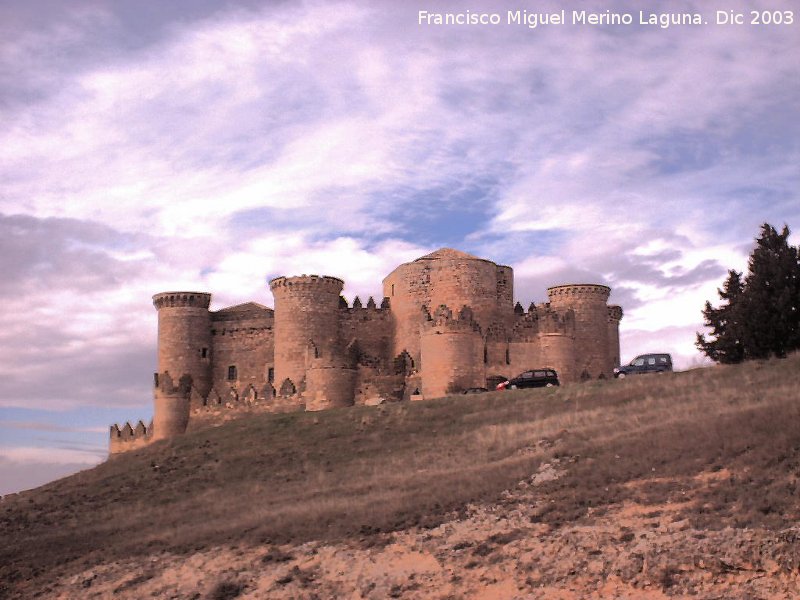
[588, 301]
[452, 278]
[306, 325]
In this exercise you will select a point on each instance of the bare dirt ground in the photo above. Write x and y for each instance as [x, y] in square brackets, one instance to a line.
[496, 551]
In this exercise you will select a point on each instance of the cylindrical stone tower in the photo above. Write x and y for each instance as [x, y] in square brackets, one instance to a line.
[558, 352]
[591, 325]
[452, 356]
[306, 324]
[330, 387]
[614, 317]
[171, 400]
[184, 337]
[452, 278]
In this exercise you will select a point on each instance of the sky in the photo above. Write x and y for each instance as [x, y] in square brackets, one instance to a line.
[148, 146]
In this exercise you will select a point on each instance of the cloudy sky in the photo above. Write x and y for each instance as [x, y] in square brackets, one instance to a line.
[207, 145]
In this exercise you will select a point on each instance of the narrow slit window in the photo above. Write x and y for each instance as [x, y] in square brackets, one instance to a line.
[232, 373]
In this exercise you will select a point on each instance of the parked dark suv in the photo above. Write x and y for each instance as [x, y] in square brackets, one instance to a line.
[531, 379]
[645, 363]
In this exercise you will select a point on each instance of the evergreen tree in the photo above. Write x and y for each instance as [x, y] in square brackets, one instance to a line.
[771, 296]
[760, 316]
[725, 323]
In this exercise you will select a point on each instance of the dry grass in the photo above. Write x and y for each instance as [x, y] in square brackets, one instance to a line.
[353, 472]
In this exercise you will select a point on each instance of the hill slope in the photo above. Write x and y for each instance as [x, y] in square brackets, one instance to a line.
[586, 475]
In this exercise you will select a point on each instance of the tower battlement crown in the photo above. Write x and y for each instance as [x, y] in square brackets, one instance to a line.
[589, 291]
[307, 282]
[165, 385]
[615, 313]
[182, 299]
[443, 320]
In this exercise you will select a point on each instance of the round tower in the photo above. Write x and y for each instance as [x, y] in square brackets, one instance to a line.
[452, 354]
[614, 317]
[329, 386]
[588, 301]
[306, 324]
[184, 337]
[452, 278]
[171, 400]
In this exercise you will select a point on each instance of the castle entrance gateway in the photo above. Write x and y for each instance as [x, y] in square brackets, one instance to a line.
[447, 322]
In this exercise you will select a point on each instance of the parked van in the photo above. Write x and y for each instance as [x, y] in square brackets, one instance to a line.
[645, 363]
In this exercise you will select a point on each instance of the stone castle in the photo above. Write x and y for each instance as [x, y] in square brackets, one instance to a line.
[447, 322]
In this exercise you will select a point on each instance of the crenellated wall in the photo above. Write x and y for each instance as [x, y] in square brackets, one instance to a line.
[447, 322]
[372, 327]
[129, 438]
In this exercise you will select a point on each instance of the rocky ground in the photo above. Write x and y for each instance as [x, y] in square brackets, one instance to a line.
[496, 551]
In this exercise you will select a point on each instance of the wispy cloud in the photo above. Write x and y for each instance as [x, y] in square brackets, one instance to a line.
[42, 426]
[60, 456]
[208, 146]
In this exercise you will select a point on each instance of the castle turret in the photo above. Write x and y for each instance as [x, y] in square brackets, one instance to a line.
[306, 325]
[184, 336]
[588, 301]
[614, 317]
[171, 405]
[452, 353]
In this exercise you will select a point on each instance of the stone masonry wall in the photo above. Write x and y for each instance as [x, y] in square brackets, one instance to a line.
[247, 343]
[372, 327]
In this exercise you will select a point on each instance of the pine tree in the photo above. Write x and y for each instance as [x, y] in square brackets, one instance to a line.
[760, 316]
[725, 324]
[771, 296]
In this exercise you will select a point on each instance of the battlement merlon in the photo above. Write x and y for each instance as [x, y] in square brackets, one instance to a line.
[443, 320]
[578, 291]
[181, 300]
[125, 438]
[326, 282]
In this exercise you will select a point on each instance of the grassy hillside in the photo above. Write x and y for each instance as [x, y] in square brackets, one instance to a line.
[355, 472]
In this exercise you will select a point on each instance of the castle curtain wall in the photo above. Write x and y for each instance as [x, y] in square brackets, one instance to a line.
[246, 343]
